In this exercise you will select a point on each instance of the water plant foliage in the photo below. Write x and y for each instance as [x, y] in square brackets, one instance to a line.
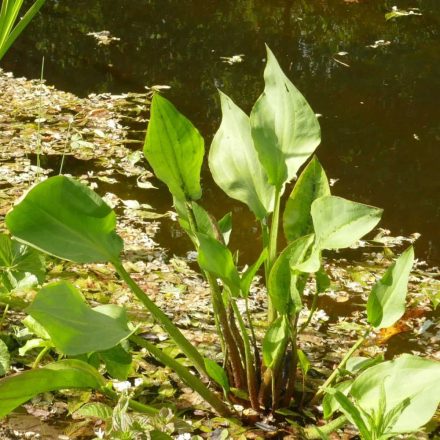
[251, 159]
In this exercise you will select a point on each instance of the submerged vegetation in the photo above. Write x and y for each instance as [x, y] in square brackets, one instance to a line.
[262, 373]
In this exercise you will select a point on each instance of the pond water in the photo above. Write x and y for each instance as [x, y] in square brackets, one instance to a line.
[379, 100]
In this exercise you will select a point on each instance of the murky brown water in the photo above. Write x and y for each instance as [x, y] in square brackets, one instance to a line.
[380, 108]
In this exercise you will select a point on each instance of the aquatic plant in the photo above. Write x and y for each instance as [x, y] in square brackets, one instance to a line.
[10, 29]
[252, 158]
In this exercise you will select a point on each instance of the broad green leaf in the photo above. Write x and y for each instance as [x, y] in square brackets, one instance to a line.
[249, 274]
[18, 262]
[304, 362]
[357, 364]
[386, 302]
[405, 377]
[117, 362]
[72, 373]
[284, 128]
[95, 410]
[73, 326]
[174, 148]
[311, 184]
[216, 258]
[217, 373]
[5, 358]
[353, 414]
[280, 277]
[275, 341]
[339, 223]
[65, 218]
[323, 281]
[234, 162]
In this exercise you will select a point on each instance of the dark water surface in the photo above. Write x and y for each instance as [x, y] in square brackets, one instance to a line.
[380, 113]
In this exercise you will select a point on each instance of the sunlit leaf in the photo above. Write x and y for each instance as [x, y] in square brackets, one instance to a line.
[72, 373]
[234, 163]
[65, 218]
[405, 377]
[73, 326]
[386, 302]
[285, 129]
[216, 258]
[174, 148]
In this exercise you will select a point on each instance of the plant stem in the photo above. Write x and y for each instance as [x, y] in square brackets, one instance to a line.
[40, 356]
[273, 241]
[312, 433]
[313, 308]
[133, 404]
[250, 366]
[188, 349]
[192, 381]
[341, 365]
[220, 314]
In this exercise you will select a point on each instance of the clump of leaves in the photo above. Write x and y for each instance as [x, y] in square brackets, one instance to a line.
[252, 158]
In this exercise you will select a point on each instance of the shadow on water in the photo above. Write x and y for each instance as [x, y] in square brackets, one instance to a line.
[379, 107]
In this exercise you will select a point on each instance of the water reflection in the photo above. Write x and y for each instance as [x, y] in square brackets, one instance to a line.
[379, 106]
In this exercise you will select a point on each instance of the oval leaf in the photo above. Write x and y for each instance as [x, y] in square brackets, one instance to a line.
[311, 184]
[20, 388]
[234, 163]
[285, 129]
[65, 218]
[386, 302]
[174, 148]
[73, 326]
[408, 377]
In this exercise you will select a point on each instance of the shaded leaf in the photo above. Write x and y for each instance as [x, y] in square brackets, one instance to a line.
[275, 341]
[5, 358]
[311, 184]
[217, 373]
[73, 326]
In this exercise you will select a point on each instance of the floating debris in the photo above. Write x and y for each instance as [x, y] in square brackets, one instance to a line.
[104, 38]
